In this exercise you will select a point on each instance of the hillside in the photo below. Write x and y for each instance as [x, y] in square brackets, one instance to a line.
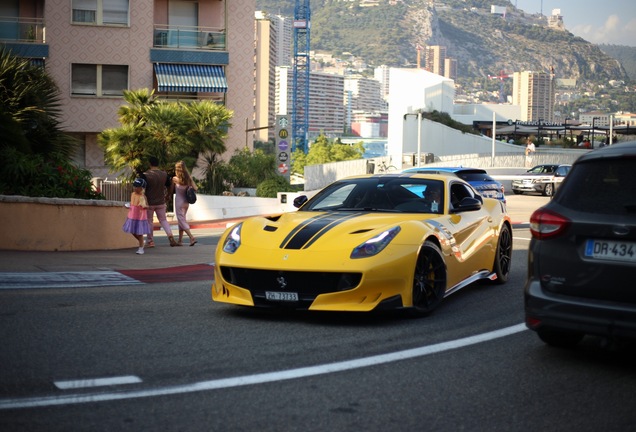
[626, 55]
[482, 43]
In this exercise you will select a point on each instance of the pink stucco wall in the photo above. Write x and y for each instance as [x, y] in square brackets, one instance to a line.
[72, 43]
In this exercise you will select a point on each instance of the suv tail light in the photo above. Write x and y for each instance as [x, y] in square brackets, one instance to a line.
[546, 224]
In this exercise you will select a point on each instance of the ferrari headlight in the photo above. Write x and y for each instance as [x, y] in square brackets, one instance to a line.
[375, 245]
[233, 240]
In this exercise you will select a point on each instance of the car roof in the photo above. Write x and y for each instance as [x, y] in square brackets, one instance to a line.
[452, 170]
[431, 176]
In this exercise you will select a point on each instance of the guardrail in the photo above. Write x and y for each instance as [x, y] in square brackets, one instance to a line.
[211, 38]
[20, 29]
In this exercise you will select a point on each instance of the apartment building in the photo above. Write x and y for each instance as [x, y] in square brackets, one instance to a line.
[534, 92]
[95, 49]
[381, 74]
[273, 49]
[434, 59]
[327, 111]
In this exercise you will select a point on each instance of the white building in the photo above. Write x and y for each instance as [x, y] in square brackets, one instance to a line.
[413, 90]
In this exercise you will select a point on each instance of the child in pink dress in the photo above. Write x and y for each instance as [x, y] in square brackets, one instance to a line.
[137, 219]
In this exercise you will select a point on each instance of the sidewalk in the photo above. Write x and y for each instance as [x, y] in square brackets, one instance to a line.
[162, 256]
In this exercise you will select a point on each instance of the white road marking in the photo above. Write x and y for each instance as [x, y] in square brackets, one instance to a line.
[521, 238]
[262, 378]
[97, 382]
[64, 279]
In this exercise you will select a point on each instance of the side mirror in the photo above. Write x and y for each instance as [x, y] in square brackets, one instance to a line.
[300, 200]
[468, 204]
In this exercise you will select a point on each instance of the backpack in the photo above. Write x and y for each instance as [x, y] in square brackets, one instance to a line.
[191, 195]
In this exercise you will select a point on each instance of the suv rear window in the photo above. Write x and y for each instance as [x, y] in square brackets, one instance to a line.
[471, 176]
[601, 186]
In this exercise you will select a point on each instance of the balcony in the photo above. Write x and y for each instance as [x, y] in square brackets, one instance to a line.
[23, 30]
[205, 38]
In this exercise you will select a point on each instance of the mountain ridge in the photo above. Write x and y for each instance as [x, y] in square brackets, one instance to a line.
[388, 32]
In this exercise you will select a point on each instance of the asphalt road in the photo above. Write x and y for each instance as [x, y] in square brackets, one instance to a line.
[162, 356]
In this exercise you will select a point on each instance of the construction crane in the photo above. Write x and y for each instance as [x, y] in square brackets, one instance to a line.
[501, 77]
[301, 66]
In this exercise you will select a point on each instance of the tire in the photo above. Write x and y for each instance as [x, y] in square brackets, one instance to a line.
[517, 192]
[429, 280]
[503, 255]
[549, 190]
[560, 338]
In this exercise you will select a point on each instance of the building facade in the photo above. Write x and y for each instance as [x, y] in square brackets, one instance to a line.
[96, 49]
[327, 110]
[534, 92]
[434, 58]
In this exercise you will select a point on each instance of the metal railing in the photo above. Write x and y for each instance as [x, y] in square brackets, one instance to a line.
[212, 38]
[22, 29]
[113, 190]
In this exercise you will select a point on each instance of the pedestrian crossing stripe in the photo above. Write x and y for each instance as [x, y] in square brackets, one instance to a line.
[36, 280]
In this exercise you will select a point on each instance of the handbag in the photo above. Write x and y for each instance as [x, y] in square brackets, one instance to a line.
[191, 195]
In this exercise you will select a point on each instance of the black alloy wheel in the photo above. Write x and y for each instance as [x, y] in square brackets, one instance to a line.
[429, 281]
[503, 255]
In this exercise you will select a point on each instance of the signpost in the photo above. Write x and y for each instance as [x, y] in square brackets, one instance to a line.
[282, 146]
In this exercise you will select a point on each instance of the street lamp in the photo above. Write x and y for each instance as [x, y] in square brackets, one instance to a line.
[593, 121]
[417, 114]
[539, 132]
[565, 129]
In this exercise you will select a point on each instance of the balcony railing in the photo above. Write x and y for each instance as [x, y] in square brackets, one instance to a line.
[189, 37]
[22, 29]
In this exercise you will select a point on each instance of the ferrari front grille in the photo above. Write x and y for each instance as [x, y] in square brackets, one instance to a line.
[306, 284]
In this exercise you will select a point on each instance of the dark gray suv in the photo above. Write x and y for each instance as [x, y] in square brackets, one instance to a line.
[582, 256]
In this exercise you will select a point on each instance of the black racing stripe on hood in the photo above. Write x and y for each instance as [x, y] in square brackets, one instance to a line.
[301, 226]
[305, 235]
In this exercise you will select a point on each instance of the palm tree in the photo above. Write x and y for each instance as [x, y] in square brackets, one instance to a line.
[36, 153]
[168, 130]
[29, 109]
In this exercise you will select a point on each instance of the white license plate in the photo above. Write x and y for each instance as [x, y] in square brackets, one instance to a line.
[281, 296]
[611, 250]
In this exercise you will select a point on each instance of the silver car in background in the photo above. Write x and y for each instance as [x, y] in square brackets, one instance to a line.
[543, 179]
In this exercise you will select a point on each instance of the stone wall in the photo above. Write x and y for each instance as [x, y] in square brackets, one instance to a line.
[59, 224]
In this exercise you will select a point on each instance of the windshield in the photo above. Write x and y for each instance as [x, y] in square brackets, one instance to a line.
[542, 169]
[391, 194]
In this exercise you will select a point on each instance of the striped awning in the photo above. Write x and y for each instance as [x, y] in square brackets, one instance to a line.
[184, 78]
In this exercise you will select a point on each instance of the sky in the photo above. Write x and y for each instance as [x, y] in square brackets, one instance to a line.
[596, 21]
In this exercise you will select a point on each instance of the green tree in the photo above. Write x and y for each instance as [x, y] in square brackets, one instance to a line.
[171, 131]
[248, 169]
[324, 151]
[30, 109]
[36, 152]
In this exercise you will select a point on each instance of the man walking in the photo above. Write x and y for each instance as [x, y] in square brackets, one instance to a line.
[159, 183]
[530, 149]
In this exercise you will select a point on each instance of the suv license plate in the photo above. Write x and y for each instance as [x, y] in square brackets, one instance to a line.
[281, 296]
[611, 250]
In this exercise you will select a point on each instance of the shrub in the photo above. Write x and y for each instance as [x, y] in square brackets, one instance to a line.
[35, 176]
[269, 188]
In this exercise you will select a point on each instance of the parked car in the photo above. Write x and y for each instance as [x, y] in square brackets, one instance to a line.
[478, 178]
[543, 179]
[366, 243]
[582, 255]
